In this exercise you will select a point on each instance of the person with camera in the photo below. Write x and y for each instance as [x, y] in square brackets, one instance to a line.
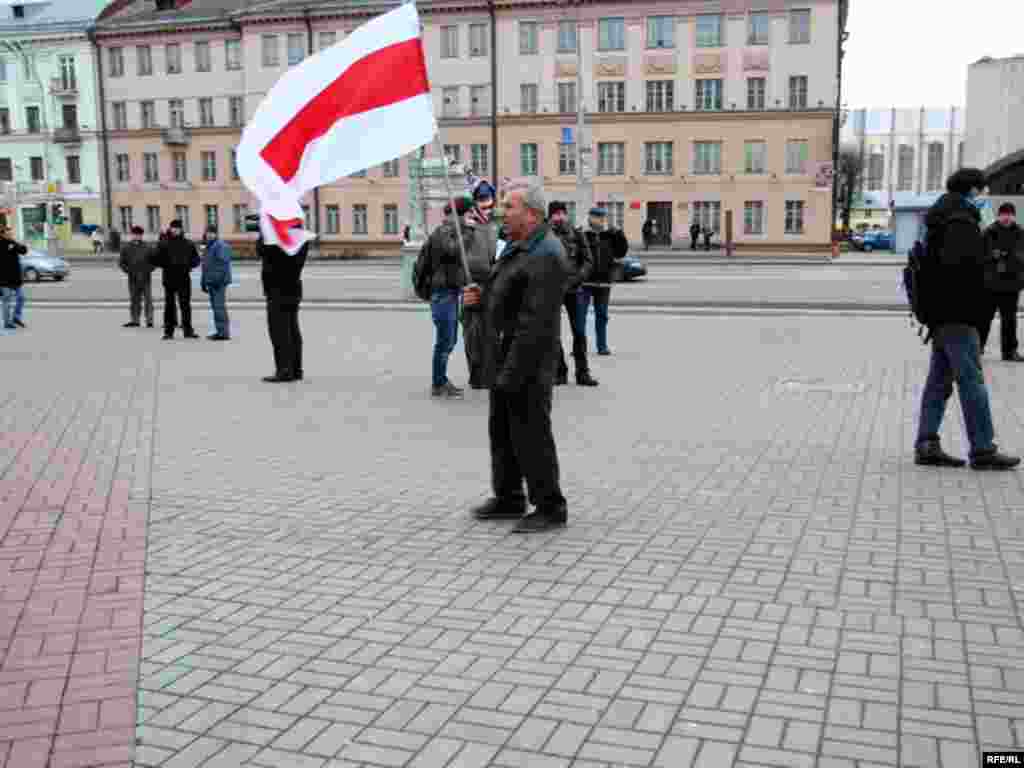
[177, 256]
[607, 245]
[1004, 278]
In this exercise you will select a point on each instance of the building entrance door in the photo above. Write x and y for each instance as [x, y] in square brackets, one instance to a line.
[661, 213]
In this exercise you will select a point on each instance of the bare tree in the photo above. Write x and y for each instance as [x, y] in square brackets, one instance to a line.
[849, 175]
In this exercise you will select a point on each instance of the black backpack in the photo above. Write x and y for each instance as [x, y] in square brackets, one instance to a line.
[423, 273]
[916, 276]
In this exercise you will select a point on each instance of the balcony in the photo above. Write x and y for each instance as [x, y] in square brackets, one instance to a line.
[66, 88]
[68, 134]
[176, 137]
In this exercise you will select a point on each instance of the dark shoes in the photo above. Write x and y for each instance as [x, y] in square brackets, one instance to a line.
[561, 379]
[932, 455]
[541, 520]
[218, 337]
[1014, 358]
[280, 377]
[132, 324]
[149, 324]
[499, 509]
[447, 389]
[604, 352]
[20, 324]
[585, 380]
[191, 335]
[993, 461]
[168, 335]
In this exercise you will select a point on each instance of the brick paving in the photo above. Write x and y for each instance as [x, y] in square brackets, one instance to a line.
[754, 573]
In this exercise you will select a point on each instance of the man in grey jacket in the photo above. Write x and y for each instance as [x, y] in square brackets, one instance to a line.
[481, 236]
[215, 279]
[136, 262]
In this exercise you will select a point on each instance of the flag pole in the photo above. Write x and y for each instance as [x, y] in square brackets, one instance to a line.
[455, 214]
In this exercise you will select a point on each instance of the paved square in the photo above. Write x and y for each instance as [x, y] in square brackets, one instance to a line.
[754, 572]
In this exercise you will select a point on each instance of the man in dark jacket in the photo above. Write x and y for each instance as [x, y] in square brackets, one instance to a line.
[11, 278]
[607, 246]
[956, 305]
[580, 265]
[177, 256]
[136, 262]
[282, 287]
[525, 296]
[694, 235]
[481, 237]
[1004, 278]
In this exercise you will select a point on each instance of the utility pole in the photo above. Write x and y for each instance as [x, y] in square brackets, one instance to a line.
[584, 150]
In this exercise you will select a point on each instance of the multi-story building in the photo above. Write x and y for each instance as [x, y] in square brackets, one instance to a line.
[692, 111]
[995, 106]
[49, 130]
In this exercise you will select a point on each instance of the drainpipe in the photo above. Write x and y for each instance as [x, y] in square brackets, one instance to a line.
[104, 137]
[316, 190]
[494, 94]
[840, 39]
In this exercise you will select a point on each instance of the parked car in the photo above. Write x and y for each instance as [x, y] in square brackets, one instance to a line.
[630, 268]
[36, 265]
[872, 240]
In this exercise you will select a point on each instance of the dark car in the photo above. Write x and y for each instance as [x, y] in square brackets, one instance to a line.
[36, 265]
[630, 268]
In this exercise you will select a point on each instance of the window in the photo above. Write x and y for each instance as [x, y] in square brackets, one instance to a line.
[450, 101]
[616, 213]
[296, 48]
[6, 169]
[69, 117]
[658, 157]
[271, 54]
[453, 152]
[709, 94]
[527, 38]
[206, 112]
[234, 165]
[358, 174]
[567, 159]
[611, 97]
[202, 51]
[800, 26]
[753, 217]
[74, 168]
[120, 118]
[708, 213]
[176, 112]
[876, 170]
[29, 66]
[333, 220]
[660, 95]
[567, 36]
[68, 80]
[180, 162]
[794, 217]
[755, 93]
[126, 218]
[707, 157]
[936, 158]
[661, 32]
[359, 222]
[3, 70]
[115, 62]
[32, 119]
[479, 103]
[391, 219]
[611, 158]
[611, 34]
[570, 206]
[307, 218]
[5, 121]
[153, 219]
[478, 44]
[709, 30]
[449, 42]
[479, 159]
[756, 157]
[77, 219]
[212, 216]
[208, 162]
[238, 213]
[391, 170]
[528, 159]
[905, 169]
[798, 92]
[236, 110]
[123, 165]
[233, 54]
[183, 214]
[567, 97]
[528, 97]
[173, 53]
[147, 113]
[150, 167]
[36, 168]
[758, 28]
[797, 156]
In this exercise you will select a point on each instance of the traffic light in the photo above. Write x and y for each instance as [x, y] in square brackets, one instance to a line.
[58, 213]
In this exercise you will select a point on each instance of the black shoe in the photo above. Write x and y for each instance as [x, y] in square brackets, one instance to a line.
[20, 324]
[218, 337]
[540, 520]
[149, 324]
[168, 336]
[191, 335]
[279, 378]
[604, 352]
[585, 380]
[499, 509]
[993, 460]
[932, 455]
[1014, 358]
[132, 324]
[298, 376]
[562, 379]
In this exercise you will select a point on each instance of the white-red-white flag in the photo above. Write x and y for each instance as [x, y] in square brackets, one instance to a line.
[359, 103]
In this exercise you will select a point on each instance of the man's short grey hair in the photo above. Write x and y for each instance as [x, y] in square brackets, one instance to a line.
[533, 197]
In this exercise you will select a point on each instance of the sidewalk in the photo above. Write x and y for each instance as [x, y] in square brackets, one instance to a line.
[754, 572]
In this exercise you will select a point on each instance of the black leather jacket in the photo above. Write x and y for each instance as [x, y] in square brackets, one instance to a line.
[10, 263]
[607, 246]
[577, 254]
[1004, 271]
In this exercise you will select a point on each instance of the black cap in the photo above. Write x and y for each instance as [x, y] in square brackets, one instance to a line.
[557, 206]
[1009, 208]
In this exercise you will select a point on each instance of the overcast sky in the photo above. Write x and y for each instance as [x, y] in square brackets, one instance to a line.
[913, 53]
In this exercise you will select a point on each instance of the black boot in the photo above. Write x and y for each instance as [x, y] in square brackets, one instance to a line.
[584, 379]
[499, 509]
[993, 460]
[561, 378]
[930, 454]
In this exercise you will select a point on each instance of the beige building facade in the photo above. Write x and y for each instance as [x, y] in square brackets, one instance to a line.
[693, 109]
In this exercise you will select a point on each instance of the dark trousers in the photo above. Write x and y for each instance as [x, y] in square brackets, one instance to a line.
[693, 242]
[285, 337]
[140, 291]
[579, 339]
[523, 447]
[1006, 305]
[180, 292]
[479, 341]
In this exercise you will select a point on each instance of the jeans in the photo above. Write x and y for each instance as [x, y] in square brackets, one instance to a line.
[444, 309]
[600, 297]
[956, 356]
[218, 303]
[8, 301]
[19, 303]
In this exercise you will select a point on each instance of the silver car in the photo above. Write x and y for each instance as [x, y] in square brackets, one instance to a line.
[36, 265]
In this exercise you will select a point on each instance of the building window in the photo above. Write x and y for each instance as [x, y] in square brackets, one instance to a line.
[660, 95]
[527, 38]
[794, 217]
[391, 169]
[567, 159]
[271, 55]
[208, 161]
[390, 219]
[236, 110]
[184, 214]
[68, 79]
[528, 159]
[661, 32]
[611, 34]
[936, 159]
[32, 119]
[77, 219]
[126, 219]
[233, 54]
[3, 70]
[611, 97]
[359, 222]
[180, 162]
[616, 213]
[449, 42]
[239, 212]
[453, 152]
[5, 121]
[202, 53]
[123, 166]
[333, 220]
[876, 170]
[206, 113]
[450, 101]
[570, 206]
[212, 217]
[479, 159]
[800, 26]
[296, 48]
[567, 36]
[151, 167]
[36, 168]
[905, 169]
[797, 154]
[798, 92]
[234, 165]
[658, 157]
[6, 169]
[147, 113]
[709, 30]
[120, 117]
[756, 88]
[74, 167]
[758, 28]
[153, 219]
[528, 97]
[611, 158]
[709, 94]
[708, 214]
[327, 39]
[753, 217]
[478, 43]
[567, 102]
[173, 53]
[478, 100]
[115, 62]
[756, 157]
[176, 112]
[307, 218]
[707, 157]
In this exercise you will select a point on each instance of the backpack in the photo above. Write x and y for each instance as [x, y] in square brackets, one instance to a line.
[423, 273]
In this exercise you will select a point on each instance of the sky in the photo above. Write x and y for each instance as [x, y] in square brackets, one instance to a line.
[915, 53]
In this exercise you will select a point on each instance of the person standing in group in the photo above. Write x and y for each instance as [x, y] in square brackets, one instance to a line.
[481, 237]
[607, 246]
[97, 241]
[282, 287]
[216, 277]
[177, 256]
[137, 263]
[524, 301]
[580, 264]
[694, 235]
[1004, 278]
[708, 234]
[11, 278]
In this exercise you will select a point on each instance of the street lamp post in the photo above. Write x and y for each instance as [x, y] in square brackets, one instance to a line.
[584, 150]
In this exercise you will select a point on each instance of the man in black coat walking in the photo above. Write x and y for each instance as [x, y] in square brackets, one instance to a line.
[282, 287]
[177, 256]
[1004, 278]
[694, 235]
